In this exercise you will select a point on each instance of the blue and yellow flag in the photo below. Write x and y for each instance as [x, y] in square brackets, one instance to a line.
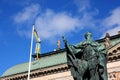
[36, 35]
[37, 49]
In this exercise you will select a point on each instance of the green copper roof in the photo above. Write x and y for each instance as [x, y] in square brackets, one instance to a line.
[45, 61]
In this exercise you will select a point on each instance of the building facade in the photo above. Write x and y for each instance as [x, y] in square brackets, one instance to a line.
[53, 65]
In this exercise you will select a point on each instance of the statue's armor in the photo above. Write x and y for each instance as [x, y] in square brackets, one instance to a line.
[90, 56]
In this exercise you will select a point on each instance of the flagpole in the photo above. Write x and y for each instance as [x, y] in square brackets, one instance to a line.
[30, 54]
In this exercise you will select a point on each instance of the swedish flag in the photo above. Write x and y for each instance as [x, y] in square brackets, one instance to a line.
[37, 49]
[35, 33]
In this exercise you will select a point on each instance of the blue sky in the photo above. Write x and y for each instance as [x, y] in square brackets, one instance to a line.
[52, 19]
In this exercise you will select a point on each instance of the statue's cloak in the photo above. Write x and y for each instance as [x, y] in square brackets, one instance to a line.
[77, 66]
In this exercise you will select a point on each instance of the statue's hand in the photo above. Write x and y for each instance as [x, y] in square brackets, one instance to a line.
[65, 41]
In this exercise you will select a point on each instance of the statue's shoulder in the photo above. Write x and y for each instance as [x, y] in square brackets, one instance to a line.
[78, 44]
[94, 43]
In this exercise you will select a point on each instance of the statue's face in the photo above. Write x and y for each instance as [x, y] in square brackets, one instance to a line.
[88, 35]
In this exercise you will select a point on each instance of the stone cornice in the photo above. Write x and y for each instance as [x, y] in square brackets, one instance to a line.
[38, 73]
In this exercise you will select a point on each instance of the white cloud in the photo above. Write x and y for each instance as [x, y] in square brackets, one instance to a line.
[25, 33]
[52, 24]
[112, 31]
[28, 13]
[113, 19]
[112, 22]
[83, 5]
[86, 14]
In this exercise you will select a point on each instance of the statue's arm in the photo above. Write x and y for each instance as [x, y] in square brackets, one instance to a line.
[100, 47]
[103, 50]
[79, 45]
[68, 46]
[70, 54]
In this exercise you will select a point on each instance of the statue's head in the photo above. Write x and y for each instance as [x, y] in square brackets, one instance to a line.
[88, 35]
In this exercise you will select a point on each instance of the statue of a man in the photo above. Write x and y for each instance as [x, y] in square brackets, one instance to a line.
[85, 58]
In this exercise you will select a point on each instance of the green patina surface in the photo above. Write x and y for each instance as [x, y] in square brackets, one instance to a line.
[47, 61]
[43, 62]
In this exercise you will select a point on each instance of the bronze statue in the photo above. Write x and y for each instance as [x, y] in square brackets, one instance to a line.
[87, 60]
